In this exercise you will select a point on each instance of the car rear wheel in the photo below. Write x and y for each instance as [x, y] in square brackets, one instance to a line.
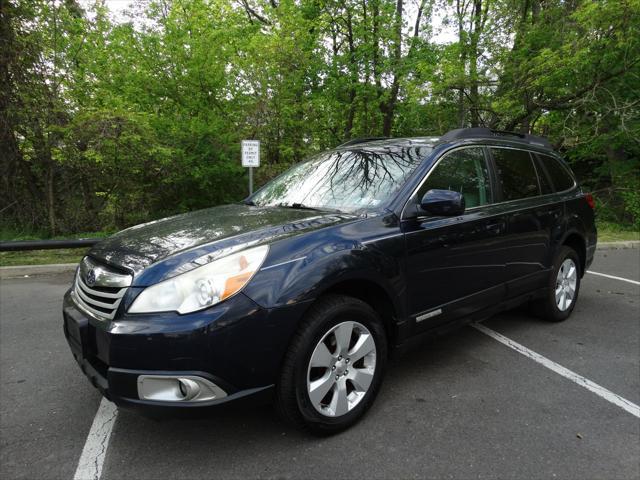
[334, 366]
[563, 288]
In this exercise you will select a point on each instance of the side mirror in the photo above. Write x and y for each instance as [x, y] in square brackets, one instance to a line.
[443, 203]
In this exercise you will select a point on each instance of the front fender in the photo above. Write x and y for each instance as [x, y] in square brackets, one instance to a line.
[307, 275]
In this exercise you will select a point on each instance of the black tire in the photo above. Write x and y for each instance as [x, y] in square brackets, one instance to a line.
[292, 398]
[546, 308]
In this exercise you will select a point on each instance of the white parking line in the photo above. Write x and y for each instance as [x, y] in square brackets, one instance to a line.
[614, 277]
[623, 403]
[95, 448]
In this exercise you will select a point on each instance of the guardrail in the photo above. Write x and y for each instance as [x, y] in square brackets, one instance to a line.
[47, 244]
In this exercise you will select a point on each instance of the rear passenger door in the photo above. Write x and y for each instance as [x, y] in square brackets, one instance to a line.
[533, 216]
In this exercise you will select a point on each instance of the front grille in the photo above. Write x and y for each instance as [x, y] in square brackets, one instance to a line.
[102, 298]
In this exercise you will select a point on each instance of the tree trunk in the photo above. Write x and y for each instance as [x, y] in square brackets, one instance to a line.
[353, 78]
[375, 14]
[461, 113]
[463, 62]
[388, 107]
[474, 94]
[623, 181]
[617, 158]
[42, 151]
[10, 153]
[51, 214]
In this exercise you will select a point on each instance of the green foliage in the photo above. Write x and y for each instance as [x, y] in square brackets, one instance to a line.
[42, 257]
[614, 232]
[107, 122]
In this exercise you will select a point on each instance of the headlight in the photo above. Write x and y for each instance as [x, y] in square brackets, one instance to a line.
[201, 287]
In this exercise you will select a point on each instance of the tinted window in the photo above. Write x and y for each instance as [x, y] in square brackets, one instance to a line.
[516, 173]
[559, 175]
[463, 171]
[545, 183]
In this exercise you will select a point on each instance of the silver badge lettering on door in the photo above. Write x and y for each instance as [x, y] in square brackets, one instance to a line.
[431, 314]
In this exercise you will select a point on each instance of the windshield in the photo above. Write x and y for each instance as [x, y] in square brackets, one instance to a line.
[345, 180]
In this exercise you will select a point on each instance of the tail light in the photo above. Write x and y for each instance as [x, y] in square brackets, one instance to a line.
[589, 198]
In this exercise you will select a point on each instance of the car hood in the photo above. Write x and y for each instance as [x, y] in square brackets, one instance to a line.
[205, 231]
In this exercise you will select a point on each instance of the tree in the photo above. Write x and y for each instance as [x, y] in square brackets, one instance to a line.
[105, 123]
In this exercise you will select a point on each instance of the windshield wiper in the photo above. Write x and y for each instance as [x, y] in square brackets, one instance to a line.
[300, 206]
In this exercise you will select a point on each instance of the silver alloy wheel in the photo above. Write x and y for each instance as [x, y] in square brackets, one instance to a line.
[341, 369]
[566, 283]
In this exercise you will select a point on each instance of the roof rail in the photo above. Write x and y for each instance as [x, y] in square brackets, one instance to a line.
[478, 132]
[356, 141]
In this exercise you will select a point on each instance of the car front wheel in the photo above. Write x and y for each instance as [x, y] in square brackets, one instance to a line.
[334, 366]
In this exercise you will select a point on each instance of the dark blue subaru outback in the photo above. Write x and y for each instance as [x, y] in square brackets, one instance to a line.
[306, 287]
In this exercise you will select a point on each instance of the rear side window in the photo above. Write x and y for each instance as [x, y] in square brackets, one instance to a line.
[560, 177]
[516, 173]
[463, 171]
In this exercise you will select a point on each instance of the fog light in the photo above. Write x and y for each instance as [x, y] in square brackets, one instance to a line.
[188, 388]
[168, 388]
[183, 388]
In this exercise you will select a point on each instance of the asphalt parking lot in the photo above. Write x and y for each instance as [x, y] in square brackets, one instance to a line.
[462, 406]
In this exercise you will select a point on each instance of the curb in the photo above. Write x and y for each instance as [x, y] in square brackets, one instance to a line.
[618, 245]
[19, 271]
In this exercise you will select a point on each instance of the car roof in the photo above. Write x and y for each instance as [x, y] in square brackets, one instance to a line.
[382, 142]
[453, 136]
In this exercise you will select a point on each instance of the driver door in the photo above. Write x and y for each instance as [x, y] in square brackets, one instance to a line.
[455, 265]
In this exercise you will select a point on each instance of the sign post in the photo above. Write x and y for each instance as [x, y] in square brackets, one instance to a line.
[250, 158]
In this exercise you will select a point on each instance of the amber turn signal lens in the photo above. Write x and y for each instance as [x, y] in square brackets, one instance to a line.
[233, 284]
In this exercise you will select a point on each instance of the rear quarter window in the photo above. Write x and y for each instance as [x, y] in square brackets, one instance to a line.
[558, 173]
[516, 173]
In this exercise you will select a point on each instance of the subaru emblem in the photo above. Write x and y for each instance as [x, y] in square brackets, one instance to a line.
[91, 277]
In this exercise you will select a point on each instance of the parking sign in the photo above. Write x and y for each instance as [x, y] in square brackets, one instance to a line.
[250, 153]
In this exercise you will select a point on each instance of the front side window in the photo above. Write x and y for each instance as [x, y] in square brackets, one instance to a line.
[346, 180]
[516, 173]
[463, 171]
[559, 175]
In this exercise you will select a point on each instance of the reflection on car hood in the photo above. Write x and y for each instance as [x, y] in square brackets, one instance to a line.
[140, 246]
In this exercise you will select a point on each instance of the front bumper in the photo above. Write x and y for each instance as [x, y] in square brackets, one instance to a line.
[236, 345]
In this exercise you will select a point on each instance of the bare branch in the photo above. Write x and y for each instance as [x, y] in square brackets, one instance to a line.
[252, 13]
